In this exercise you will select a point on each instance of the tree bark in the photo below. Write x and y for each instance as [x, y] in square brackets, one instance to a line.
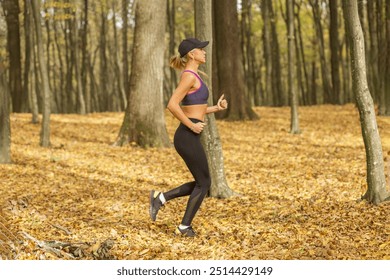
[81, 108]
[334, 50]
[267, 53]
[230, 62]
[210, 136]
[376, 180]
[387, 81]
[5, 126]
[144, 121]
[373, 74]
[125, 71]
[381, 56]
[327, 87]
[294, 127]
[45, 129]
[11, 9]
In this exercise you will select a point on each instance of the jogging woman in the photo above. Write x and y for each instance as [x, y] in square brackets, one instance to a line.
[193, 94]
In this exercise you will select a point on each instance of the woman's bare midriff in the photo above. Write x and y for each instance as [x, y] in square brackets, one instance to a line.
[195, 111]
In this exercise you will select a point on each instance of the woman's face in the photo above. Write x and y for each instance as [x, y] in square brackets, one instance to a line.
[199, 55]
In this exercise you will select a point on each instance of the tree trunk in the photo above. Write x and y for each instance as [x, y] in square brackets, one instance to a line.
[230, 62]
[373, 58]
[29, 83]
[327, 87]
[84, 58]
[294, 129]
[144, 121]
[120, 83]
[210, 136]
[11, 9]
[376, 180]
[334, 49]
[387, 81]
[45, 130]
[280, 96]
[171, 11]
[267, 53]
[125, 71]
[81, 108]
[5, 126]
[304, 80]
[381, 56]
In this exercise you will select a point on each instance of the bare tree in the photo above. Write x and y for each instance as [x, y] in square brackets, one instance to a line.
[376, 180]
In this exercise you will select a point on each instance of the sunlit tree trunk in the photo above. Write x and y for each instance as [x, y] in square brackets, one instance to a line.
[376, 181]
[292, 89]
[210, 136]
[29, 73]
[81, 108]
[45, 129]
[144, 121]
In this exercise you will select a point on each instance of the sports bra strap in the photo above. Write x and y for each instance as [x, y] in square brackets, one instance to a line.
[194, 74]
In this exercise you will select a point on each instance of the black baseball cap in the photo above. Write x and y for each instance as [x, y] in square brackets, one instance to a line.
[189, 44]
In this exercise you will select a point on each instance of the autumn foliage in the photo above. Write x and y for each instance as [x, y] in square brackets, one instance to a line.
[298, 195]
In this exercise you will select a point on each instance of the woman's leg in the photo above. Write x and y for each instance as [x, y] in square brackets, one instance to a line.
[189, 147]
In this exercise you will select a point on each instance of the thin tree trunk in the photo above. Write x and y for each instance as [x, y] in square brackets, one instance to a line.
[11, 8]
[210, 136]
[81, 108]
[61, 96]
[294, 128]
[125, 71]
[334, 48]
[267, 53]
[45, 130]
[280, 96]
[120, 88]
[171, 10]
[5, 126]
[373, 58]
[376, 180]
[387, 81]
[381, 28]
[305, 87]
[327, 87]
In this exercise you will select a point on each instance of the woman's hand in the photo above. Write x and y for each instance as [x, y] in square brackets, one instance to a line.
[197, 127]
[222, 103]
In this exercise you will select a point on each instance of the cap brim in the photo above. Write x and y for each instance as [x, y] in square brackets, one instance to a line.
[203, 44]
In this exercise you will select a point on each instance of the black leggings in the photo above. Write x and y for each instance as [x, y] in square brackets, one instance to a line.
[187, 144]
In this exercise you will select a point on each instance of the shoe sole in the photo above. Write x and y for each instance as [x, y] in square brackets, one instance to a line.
[177, 232]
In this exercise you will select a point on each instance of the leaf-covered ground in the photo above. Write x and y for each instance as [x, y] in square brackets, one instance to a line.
[299, 194]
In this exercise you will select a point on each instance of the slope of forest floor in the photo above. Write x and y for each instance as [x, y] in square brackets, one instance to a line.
[298, 194]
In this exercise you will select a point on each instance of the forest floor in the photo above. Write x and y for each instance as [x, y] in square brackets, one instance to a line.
[298, 194]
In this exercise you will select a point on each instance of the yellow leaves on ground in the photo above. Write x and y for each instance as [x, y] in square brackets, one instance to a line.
[298, 194]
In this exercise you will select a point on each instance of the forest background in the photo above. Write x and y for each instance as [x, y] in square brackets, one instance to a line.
[88, 48]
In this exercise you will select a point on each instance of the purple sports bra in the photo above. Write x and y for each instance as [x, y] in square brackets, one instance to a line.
[198, 96]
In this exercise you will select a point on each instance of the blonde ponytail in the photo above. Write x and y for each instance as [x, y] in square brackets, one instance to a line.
[178, 62]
